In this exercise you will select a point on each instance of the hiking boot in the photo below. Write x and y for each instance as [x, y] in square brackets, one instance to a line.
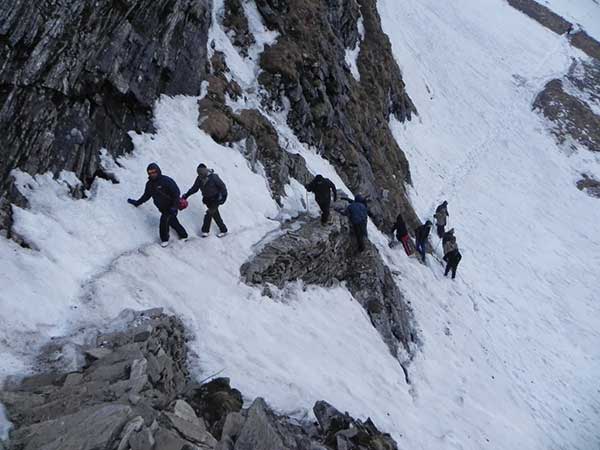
[184, 239]
[205, 234]
[164, 243]
[221, 234]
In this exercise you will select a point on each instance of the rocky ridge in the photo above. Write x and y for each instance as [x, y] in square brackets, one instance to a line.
[134, 392]
[306, 251]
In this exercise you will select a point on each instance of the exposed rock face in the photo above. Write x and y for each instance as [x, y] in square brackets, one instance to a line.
[345, 118]
[326, 255]
[260, 139]
[589, 185]
[572, 104]
[134, 393]
[78, 76]
[542, 14]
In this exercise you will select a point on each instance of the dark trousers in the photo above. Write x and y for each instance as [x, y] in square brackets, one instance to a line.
[169, 220]
[404, 239]
[212, 212]
[421, 248]
[360, 232]
[452, 259]
[440, 230]
[325, 206]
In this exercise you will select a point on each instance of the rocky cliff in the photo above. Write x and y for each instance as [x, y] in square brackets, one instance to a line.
[77, 77]
[133, 392]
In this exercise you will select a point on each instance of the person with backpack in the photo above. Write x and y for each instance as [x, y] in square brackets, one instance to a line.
[165, 194]
[421, 235]
[402, 234]
[323, 188]
[452, 255]
[214, 194]
[441, 218]
[358, 214]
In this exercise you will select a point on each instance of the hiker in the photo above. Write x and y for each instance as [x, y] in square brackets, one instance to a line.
[214, 194]
[165, 195]
[323, 188]
[421, 235]
[441, 218]
[402, 234]
[358, 214]
[451, 254]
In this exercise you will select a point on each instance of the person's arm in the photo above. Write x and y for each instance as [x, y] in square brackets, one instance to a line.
[144, 198]
[195, 188]
[310, 187]
[175, 194]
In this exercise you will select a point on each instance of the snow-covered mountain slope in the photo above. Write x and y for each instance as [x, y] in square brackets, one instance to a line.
[584, 13]
[509, 356]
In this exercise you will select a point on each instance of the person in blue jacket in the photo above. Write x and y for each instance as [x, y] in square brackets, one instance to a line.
[165, 194]
[358, 214]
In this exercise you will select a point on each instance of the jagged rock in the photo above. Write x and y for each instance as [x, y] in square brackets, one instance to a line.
[346, 119]
[571, 116]
[142, 440]
[306, 251]
[257, 431]
[51, 415]
[97, 353]
[89, 429]
[589, 185]
[79, 76]
[214, 401]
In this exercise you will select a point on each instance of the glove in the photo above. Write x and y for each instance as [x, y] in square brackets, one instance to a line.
[132, 202]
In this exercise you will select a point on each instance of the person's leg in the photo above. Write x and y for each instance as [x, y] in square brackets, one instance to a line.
[216, 214]
[421, 249]
[207, 221]
[324, 206]
[440, 230]
[359, 235]
[457, 259]
[404, 240]
[448, 267]
[176, 225]
[164, 227]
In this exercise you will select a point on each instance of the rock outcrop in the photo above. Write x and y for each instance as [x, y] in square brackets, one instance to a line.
[347, 119]
[134, 393]
[327, 255]
[77, 77]
[571, 105]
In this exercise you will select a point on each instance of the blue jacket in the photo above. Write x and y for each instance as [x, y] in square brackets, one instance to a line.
[357, 211]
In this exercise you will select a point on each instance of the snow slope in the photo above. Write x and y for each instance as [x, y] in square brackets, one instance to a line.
[584, 13]
[510, 354]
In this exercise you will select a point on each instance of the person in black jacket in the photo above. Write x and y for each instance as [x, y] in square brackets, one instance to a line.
[421, 235]
[165, 195]
[323, 188]
[214, 194]
[402, 233]
[358, 214]
[452, 255]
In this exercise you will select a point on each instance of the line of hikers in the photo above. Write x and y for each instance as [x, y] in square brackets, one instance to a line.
[168, 200]
[452, 255]
[357, 212]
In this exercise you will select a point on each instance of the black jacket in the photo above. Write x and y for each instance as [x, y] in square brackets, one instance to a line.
[422, 233]
[322, 187]
[213, 189]
[164, 193]
[400, 227]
